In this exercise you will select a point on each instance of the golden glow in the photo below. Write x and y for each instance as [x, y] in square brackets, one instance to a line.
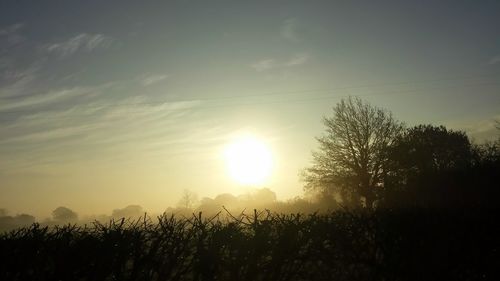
[248, 160]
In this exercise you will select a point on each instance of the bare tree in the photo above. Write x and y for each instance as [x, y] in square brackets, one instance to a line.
[352, 159]
[188, 199]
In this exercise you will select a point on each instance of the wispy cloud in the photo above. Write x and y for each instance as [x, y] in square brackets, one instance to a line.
[11, 34]
[289, 30]
[51, 134]
[16, 81]
[298, 59]
[93, 129]
[147, 80]
[83, 42]
[267, 64]
[36, 100]
[494, 60]
[11, 29]
[50, 97]
[128, 113]
[264, 64]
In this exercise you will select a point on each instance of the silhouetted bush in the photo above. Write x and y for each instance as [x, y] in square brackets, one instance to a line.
[411, 244]
[12, 222]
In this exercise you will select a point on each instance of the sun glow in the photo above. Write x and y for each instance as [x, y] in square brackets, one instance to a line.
[248, 160]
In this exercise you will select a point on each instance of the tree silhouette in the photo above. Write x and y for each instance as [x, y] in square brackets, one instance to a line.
[352, 156]
[431, 148]
[188, 199]
[63, 214]
[427, 163]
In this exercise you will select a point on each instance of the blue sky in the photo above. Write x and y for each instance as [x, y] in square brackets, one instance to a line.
[109, 103]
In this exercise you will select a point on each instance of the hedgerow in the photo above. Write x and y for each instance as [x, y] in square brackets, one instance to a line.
[343, 245]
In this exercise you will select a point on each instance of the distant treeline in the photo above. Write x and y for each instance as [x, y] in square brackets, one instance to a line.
[411, 244]
[262, 198]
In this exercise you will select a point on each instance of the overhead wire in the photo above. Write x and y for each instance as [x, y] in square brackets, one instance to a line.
[330, 95]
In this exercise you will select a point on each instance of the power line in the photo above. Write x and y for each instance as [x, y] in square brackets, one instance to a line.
[271, 93]
[289, 101]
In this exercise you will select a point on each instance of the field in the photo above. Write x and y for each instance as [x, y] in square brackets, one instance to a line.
[343, 245]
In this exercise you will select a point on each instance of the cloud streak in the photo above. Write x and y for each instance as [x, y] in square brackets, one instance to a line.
[268, 64]
[264, 65]
[149, 80]
[16, 82]
[49, 98]
[298, 60]
[97, 128]
[82, 42]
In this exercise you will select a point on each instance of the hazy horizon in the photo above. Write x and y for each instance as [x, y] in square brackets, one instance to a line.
[110, 104]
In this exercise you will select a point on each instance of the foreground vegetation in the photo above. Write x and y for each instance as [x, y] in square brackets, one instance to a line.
[411, 244]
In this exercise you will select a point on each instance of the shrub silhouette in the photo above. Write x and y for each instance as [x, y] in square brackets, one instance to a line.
[411, 244]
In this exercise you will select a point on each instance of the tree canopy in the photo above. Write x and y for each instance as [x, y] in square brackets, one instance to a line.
[64, 214]
[352, 159]
[426, 148]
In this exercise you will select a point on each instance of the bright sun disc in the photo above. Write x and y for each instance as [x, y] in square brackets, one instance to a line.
[248, 160]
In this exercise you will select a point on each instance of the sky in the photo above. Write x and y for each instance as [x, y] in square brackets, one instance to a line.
[104, 104]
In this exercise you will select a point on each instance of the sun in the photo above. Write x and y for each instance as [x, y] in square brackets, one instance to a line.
[248, 160]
